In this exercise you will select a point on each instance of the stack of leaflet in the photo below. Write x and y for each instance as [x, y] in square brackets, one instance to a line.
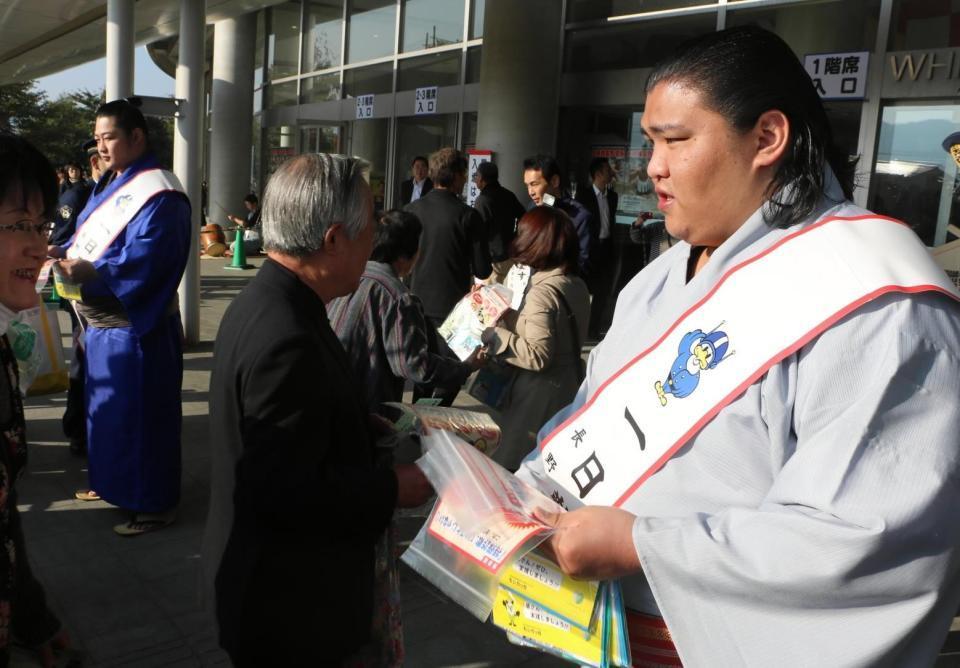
[479, 309]
[580, 621]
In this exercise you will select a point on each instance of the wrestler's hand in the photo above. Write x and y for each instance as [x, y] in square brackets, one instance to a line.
[77, 271]
[593, 543]
[413, 488]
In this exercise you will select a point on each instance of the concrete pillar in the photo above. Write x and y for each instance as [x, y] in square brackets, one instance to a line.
[231, 120]
[519, 84]
[188, 149]
[119, 79]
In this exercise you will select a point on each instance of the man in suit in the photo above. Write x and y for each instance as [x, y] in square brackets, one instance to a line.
[601, 201]
[453, 246]
[499, 209]
[419, 184]
[297, 503]
[541, 175]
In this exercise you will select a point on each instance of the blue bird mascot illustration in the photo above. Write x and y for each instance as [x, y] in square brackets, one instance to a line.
[698, 352]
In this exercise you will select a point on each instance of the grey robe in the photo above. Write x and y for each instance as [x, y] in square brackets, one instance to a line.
[815, 521]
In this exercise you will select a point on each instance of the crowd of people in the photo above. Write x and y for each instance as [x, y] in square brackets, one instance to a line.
[808, 486]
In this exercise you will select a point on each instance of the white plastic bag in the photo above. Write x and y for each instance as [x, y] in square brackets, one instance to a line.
[485, 519]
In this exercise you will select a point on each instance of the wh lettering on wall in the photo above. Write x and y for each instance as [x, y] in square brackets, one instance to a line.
[839, 76]
[426, 101]
[364, 106]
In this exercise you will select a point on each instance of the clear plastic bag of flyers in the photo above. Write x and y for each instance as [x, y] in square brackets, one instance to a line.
[476, 490]
[503, 516]
[478, 429]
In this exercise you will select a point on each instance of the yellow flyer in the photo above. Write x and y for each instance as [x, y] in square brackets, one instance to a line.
[540, 581]
[535, 625]
[492, 547]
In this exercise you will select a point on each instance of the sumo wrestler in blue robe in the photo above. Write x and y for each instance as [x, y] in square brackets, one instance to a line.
[134, 373]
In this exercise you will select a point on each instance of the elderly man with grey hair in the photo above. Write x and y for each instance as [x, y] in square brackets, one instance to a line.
[297, 502]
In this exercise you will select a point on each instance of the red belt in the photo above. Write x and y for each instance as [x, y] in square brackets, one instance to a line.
[651, 645]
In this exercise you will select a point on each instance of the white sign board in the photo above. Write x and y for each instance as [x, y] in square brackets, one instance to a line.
[476, 157]
[839, 76]
[365, 106]
[426, 102]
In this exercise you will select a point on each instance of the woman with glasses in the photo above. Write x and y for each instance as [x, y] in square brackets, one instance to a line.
[28, 196]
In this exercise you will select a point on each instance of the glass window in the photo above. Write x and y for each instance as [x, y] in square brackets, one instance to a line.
[915, 180]
[922, 24]
[283, 41]
[368, 140]
[472, 75]
[322, 34]
[364, 80]
[280, 147]
[439, 69]
[587, 10]
[258, 51]
[430, 23]
[477, 9]
[371, 29]
[281, 95]
[816, 27]
[323, 88]
[469, 136]
[632, 45]
[420, 135]
[320, 139]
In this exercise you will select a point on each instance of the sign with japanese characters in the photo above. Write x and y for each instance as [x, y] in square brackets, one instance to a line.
[365, 106]
[426, 101]
[839, 76]
[476, 157]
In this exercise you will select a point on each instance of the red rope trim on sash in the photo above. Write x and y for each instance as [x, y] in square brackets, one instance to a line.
[816, 331]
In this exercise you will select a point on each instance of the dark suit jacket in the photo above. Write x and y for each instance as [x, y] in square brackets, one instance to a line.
[499, 209]
[453, 247]
[296, 502]
[588, 198]
[406, 190]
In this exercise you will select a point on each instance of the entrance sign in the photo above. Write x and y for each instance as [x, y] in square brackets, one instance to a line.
[476, 156]
[365, 106]
[426, 101]
[839, 76]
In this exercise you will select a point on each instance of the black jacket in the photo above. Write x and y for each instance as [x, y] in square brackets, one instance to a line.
[587, 197]
[499, 209]
[71, 202]
[296, 502]
[406, 190]
[453, 247]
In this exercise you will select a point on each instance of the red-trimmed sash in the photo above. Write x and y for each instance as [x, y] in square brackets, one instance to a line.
[758, 313]
[115, 212]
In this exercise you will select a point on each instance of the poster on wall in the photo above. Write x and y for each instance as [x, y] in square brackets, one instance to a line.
[630, 178]
[365, 106]
[426, 101]
[838, 76]
[475, 156]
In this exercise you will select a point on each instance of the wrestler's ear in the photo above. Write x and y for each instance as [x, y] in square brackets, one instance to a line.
[772, 134]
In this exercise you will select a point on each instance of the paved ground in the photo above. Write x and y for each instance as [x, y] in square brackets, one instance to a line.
[133, 601]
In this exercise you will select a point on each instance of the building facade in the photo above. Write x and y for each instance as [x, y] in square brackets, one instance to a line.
[392, 79]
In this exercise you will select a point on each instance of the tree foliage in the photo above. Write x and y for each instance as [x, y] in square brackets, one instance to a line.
[60, 127]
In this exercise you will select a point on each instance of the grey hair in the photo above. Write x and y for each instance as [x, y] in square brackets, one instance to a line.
[307, 195]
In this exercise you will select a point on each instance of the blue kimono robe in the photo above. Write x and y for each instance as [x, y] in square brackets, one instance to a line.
[134, 373]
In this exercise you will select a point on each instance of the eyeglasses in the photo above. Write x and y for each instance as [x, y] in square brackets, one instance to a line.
[44, 229]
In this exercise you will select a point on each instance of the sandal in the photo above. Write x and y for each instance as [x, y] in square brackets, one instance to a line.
[143, 523]
[86, 495]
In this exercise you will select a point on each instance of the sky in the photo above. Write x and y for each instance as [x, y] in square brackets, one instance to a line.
[148, 79]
